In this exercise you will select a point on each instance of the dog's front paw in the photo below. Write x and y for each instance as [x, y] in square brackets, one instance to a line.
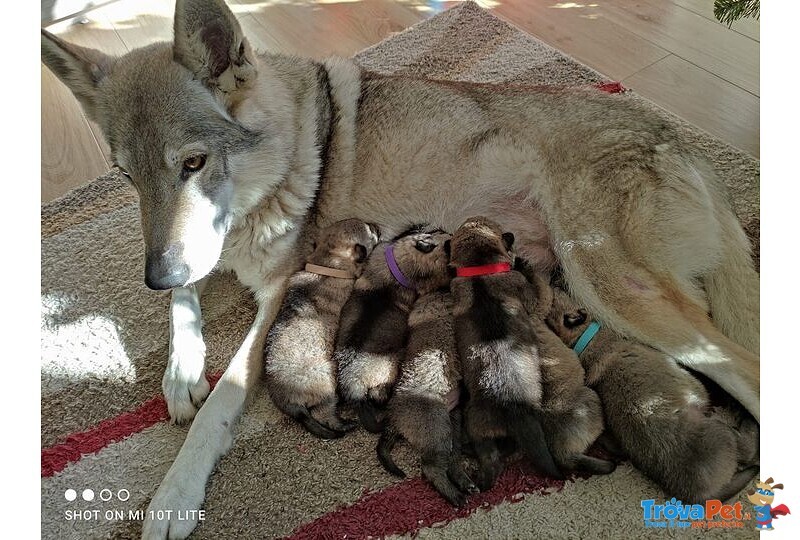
[185, 385]
[174, 510]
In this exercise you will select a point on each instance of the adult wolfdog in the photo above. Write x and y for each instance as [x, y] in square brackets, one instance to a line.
[238, 158]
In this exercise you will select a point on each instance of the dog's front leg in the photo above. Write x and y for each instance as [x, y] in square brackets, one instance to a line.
[184, 383]
[183, 489]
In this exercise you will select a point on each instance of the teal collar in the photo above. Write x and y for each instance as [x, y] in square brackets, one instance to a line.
[586, 337]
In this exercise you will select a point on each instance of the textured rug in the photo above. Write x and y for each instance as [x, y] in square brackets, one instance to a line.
[105, 341]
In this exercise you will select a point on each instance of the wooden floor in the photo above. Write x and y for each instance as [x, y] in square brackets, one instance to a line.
[671, 51]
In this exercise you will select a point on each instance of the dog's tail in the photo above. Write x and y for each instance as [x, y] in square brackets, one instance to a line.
[386, 444]
[526, 427]
[733, 286]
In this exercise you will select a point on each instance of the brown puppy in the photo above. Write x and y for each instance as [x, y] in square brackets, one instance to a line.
[498, 348]
[300, 371]
[374, 323]
[423, 408]
[659, 414]
[520, 376]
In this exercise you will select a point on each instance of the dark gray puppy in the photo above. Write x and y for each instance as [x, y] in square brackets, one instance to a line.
[423, 408]
[659, 414]
[374, 324]
[522, 380]
[300, 370]
[498, 348]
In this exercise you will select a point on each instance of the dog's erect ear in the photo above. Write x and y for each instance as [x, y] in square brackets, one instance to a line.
[777, 486]
[210, 43]
[508, 239]
[81, 69]
[768, 480]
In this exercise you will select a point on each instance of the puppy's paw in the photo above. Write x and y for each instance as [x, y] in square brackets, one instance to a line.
[184, 384]
[174, 510]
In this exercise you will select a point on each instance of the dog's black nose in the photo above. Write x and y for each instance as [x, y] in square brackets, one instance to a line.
[165, 271]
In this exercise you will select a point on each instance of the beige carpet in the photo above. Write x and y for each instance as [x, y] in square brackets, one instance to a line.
[105, 340]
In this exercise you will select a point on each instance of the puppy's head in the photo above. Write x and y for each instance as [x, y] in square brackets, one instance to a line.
[479, 241]
[422, 257]
[345, 245]
[567, 318]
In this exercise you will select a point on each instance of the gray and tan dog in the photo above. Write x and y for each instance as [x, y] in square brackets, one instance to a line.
[233, 153]
[424, 406]
[511, 376]
[373, 328]
[299, 365]
[519, 373]
[659, 414]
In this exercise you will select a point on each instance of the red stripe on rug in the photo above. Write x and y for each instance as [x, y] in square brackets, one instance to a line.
[411, 505]
[56, 458]
[612, 87]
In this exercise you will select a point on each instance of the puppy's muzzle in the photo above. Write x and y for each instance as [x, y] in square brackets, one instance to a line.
[166, 270]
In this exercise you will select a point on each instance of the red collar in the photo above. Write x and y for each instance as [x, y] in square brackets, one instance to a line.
[484, 270]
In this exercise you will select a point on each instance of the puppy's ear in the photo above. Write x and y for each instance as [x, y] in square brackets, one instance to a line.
[777, 486]
[508, 240]
[81, 69]
[210, 43]
[359, 253]
[374, 229]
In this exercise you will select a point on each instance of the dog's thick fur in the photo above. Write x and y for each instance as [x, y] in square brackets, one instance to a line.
[373, 328]
[660, 415]
[298, 358]
[230, 149]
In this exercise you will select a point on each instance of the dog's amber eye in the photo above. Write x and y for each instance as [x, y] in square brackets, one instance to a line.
[194, 163]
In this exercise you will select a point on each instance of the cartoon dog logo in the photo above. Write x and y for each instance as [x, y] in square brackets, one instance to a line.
[762, 498]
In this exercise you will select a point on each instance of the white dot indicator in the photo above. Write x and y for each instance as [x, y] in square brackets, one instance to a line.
[105, 495]
[123, 495]
[88, 495]
[70, 494]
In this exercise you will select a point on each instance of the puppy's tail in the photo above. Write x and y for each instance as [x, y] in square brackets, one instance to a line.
[733, 286]
[386, 444]
[526, 428]
[312, 425]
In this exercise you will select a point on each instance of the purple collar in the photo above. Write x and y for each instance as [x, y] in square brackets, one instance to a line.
[394, 269]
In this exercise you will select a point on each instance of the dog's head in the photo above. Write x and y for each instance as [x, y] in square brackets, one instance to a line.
[345, 245]
[480, 241]
[422, 257]
[567, 319]
[166, 113]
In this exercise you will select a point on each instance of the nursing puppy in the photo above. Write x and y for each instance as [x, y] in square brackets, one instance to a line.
[423, 408]
[659, 414]
[521, 379]
[300, 371]
[374, 323]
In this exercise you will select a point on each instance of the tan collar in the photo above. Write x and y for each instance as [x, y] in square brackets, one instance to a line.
[331, 272]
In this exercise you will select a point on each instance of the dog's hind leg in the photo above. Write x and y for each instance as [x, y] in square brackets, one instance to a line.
[183, 489]
[651, 307]
[184, 382]
[733, 287]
